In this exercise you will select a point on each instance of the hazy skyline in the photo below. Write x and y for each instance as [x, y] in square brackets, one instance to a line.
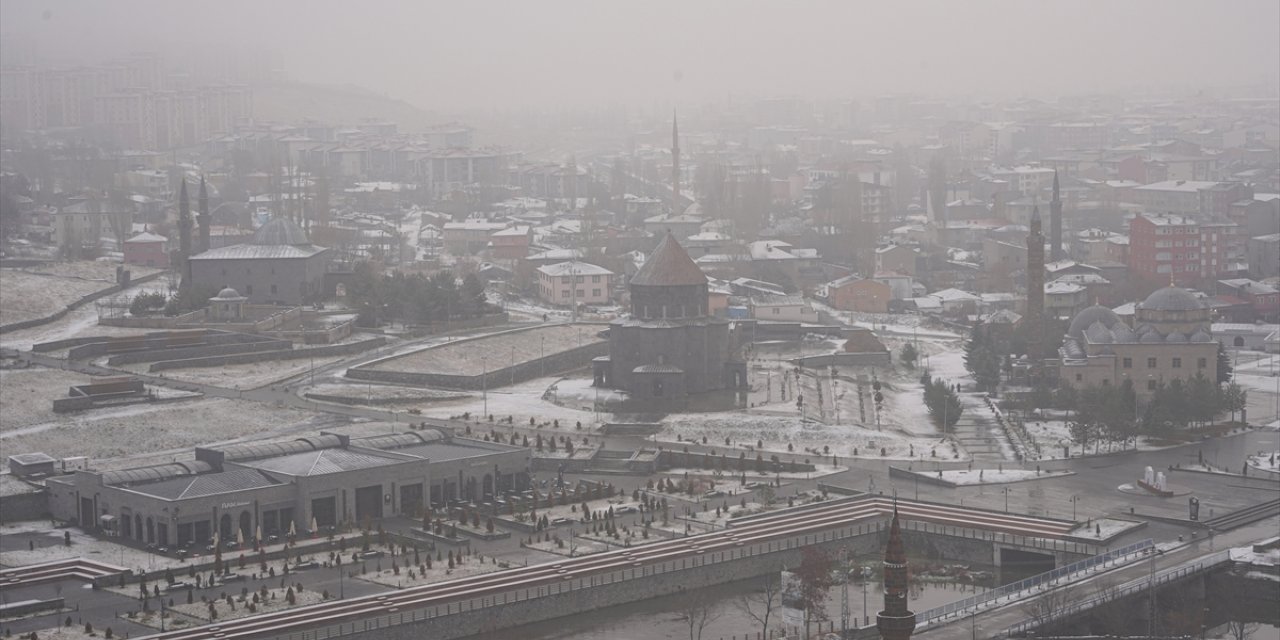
[567, 53]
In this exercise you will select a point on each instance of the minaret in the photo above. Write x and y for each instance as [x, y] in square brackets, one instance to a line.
[896, 622]
[675, 164]
[184, 238]
[1035, 289]
[1055, 221]
[202, 218]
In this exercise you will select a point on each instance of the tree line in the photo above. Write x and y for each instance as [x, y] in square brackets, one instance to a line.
[414, 298]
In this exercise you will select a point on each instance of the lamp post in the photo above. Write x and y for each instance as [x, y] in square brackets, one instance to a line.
[1151, 588]
[1006, 499]
[484, 383]
[1074, 500]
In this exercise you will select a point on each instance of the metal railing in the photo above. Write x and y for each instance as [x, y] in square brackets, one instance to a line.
[849, 531]
[1048, 577]
[1133, 586]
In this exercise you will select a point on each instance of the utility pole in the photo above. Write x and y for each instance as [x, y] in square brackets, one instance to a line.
[844, 592]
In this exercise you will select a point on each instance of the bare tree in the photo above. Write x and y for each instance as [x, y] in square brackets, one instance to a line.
[698, 611]
[1113, 614]
[1051, 605]
[759, 605]
[814, 573]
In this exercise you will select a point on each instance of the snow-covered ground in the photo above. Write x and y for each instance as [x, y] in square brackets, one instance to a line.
[238, 376]
[197, 613]
[383, 392]
[80, 322]
[36, 292]
[522, 401]
[27, 395]
[967, 477]
[776, 432]
[439, 571]
[496, 351]
[1266, 461]
[146, 428]
[1103, 528]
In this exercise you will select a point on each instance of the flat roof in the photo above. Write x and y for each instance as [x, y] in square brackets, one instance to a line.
[324, 461]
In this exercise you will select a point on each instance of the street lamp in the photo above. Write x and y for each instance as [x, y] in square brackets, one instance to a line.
[1006, 499]
[1151, 588]
[484, 383]
[1074, 500]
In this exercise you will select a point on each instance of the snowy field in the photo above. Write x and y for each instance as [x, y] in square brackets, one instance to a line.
[473, 357]
[27, 395]
[237, 376]
[80, 322]
[148, 428]
[36, 292]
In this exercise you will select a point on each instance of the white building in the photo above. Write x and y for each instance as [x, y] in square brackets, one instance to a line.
[569, 283]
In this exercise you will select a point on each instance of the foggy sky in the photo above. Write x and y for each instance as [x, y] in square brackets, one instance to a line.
[595, 52]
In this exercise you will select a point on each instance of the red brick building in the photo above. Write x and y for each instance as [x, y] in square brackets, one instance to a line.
[853, 293]
[1165, 248]
[147, 250]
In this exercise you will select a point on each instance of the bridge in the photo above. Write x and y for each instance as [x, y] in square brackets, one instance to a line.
[508, 598]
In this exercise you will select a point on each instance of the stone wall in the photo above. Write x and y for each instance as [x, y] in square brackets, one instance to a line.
[264, 356]
[554, 363]
[152, 341]
[180, 353]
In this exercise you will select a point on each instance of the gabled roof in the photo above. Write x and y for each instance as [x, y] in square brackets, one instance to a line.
[669, 265]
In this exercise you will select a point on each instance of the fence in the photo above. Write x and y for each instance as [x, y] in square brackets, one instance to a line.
[1128, 588]
[1048, 577]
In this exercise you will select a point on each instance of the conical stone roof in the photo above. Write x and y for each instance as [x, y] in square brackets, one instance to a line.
[669, 265]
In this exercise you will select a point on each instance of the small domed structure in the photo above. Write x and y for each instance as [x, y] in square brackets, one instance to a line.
[280, 231]
[227, 293]
[227, 306]
[1086, 319]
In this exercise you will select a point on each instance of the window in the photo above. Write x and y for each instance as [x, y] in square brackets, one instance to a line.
[1079, 377]
[595, 293]
[579, 294]
[1202, 363]
[564, 293]
[248, 289]
[564, 279]
[1106, 382]
[1151, 385]
[1128, 363]
[1151, 363]
[776, 311]
[1177, 363]
[248, 271]
[595, 279]
[273, 289]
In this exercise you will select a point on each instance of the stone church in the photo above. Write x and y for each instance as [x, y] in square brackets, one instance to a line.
[669, 347]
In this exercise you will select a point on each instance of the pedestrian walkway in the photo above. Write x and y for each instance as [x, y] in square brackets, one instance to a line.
[980, 433]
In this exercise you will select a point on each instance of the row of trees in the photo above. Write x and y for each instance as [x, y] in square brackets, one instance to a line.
[414, 298]
[1111, 413]
[942, 401]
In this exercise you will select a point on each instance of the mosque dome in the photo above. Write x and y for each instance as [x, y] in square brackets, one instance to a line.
[1086, 319]
[227, 294]
[280, 231]
[1172, 299]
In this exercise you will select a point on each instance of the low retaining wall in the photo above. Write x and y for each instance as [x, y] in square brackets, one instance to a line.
[154, 341]
[264, 356]
[35, 322]
[208, 350]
